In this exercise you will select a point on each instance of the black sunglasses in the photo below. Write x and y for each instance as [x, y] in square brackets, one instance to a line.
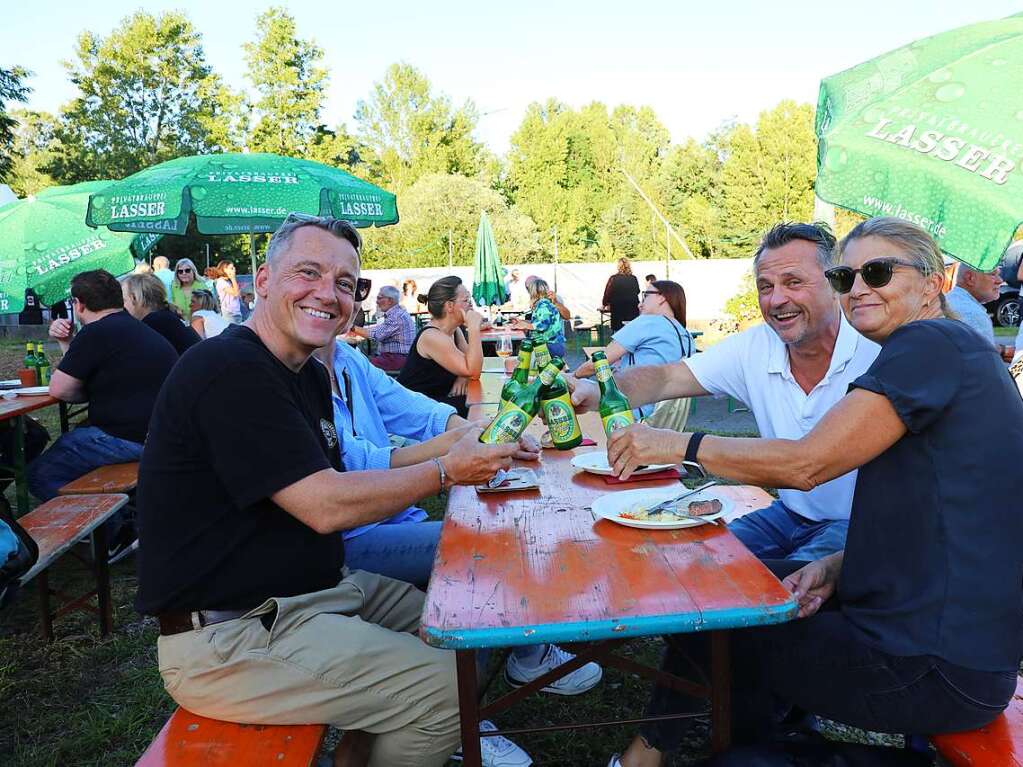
[875, 274]
[186, 270]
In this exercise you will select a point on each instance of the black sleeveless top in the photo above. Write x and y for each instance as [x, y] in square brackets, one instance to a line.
[425, 375]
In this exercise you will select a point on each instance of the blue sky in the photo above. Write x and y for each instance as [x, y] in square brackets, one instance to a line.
[696, 64]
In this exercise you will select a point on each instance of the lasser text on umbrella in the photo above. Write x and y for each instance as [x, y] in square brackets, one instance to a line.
[947, 147]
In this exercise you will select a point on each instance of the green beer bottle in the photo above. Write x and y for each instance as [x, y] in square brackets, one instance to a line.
[615, 412]
[30, 361]
[541, 354]
[521, 374]
[514, 416]
[520, 377]
[559, 412]
[42, 366]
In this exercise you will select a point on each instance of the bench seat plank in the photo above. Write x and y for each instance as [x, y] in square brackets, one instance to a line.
[999, 744]
[190, 740]
[115, 478]
[61, 522]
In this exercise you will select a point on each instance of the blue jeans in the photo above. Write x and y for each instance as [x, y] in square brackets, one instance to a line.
[776, 532]
[403, 551]
[75, 454]
[556, 348]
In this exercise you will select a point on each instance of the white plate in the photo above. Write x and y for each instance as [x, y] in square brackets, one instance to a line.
[611, 506]
[32, 391]
[595, 462]
[11, 383]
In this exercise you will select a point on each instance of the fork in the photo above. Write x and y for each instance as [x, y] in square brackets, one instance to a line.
[669, 504]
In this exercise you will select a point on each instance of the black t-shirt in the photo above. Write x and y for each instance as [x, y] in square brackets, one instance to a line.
[233, 426]
[934, 557]
[123, 364]
[169, 325]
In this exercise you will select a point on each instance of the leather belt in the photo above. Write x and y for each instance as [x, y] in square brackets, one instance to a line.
[179, 622]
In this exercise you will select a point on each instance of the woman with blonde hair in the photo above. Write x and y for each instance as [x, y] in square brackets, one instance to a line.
[146, 300]
[206, 320]
[409, 301]
[186, 278]
[545, 321]
[915, 626]
[621, 295]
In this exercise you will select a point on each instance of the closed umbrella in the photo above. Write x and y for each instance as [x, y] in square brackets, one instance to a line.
[236, 194]
[488, 277]
[44, 242]
[932, 133]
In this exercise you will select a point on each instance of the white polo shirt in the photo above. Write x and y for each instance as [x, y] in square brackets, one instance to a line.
[753, 367]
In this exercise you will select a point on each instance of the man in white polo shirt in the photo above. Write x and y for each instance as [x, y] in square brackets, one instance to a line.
[789, 371]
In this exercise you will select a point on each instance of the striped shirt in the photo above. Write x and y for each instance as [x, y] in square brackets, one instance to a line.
[395, 333]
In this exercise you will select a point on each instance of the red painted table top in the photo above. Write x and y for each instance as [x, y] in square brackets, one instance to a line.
[61, 522]
[999, 744]
[11, 408]
[530, 567]
[493, 335]
[113, 478]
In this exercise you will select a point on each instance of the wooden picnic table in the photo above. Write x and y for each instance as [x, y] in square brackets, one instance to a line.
[530, 567]
[15, 410]
[486, 388]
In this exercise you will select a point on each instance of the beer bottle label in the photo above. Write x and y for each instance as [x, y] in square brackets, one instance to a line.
[507, 425]
[602, 371]
[541, 358]
[615, 421]
[561, 420]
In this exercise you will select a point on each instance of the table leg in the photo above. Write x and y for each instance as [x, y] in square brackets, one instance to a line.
[102, 572]
[20, 480]
[468, 707]
[721, 692]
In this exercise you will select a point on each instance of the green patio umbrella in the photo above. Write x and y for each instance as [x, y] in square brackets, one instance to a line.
[487, 277]
[44, 242]
[932, 133]
[236, 194]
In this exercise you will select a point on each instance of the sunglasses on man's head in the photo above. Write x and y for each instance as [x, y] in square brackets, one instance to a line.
[875, 274]
[362, 287]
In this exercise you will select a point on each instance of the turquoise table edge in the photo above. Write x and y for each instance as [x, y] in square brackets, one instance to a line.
[591, 631]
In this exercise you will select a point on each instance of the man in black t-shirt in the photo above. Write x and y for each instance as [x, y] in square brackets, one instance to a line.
[241, 499]
[117, 365]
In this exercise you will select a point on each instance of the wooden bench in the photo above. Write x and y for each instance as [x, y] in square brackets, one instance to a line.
[56, 526]
[115, 478]
[190, 740]
[999, 744]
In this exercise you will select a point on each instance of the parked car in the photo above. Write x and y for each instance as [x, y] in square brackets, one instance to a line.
[1006, 310]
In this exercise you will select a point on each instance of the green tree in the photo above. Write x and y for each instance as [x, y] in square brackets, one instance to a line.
[12, 89]
[287, 75]
[146, 94]
[441, 203]
[768, 175]
[34, 150]
[411, 131]
[689, 184]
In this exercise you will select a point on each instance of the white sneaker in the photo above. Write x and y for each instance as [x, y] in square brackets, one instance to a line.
[579, 681]
[615, 762]
[497, 750]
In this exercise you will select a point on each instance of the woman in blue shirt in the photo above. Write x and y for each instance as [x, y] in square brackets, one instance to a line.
[916, 626]
[656, 337]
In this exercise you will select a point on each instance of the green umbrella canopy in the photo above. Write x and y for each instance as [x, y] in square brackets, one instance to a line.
[44, 242]
[932, 133]
[487, 278]
[236, 194]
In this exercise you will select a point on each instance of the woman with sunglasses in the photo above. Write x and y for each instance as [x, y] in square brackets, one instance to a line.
[915, 627]
[186, 278]
[443, 358]
[657, 336]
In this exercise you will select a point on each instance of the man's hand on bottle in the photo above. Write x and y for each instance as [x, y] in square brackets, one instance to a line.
[643, 445]
[470, 462]
[585, 394]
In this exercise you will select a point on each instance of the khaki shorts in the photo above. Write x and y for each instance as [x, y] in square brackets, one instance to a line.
[346, 656]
